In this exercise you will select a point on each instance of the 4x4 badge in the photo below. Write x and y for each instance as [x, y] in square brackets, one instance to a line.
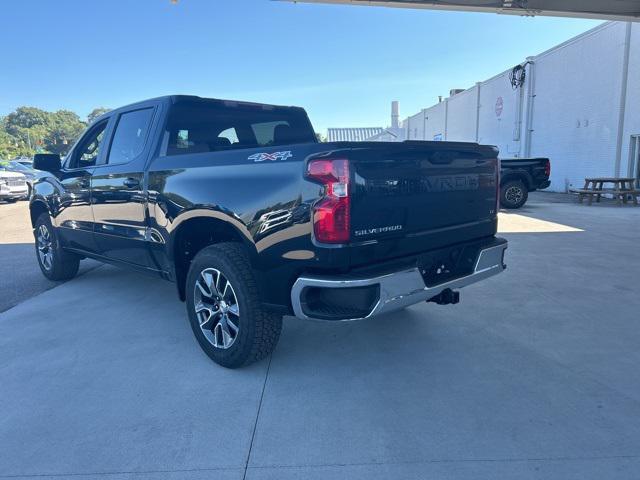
[261, 157]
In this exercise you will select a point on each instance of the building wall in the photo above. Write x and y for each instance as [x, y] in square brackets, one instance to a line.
[632, 108]
[382, 137]
[434, 122]
[569, 113]
[415, 126]
[577, 105]
[498, 126]
[461, 116]
[390, 134]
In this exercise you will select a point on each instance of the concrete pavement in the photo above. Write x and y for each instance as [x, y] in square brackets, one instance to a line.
[20, 276]
[532, 376]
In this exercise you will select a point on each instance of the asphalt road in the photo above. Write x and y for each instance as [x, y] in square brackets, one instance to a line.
[20, 276]
[532, 376]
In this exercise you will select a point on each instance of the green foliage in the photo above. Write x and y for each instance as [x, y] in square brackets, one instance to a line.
[96, 112]
[64, 128]
[30, 130]
[10, 146]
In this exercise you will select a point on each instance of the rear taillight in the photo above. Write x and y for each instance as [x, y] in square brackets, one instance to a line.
[547, 168]
[331, 222]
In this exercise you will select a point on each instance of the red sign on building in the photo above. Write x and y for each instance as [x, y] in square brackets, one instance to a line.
[499, 106]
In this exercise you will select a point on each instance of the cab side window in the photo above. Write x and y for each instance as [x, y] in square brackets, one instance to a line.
[130, 136]
[87, 151]
[197, 126]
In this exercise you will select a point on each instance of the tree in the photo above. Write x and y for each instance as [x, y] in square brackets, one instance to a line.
[29, 126]
[10, 145]
[26, 117]
[29, 130]
[96, 112]
[63, 129]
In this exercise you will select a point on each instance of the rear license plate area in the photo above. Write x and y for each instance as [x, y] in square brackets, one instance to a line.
[441, 266]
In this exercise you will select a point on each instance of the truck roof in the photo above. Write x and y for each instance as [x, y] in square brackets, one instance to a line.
[179, 98]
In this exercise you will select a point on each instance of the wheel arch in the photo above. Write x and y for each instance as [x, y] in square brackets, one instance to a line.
[196, 232]
[37, 208]
[517, 175]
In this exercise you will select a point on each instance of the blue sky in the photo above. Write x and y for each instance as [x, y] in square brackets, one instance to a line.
[344, 64]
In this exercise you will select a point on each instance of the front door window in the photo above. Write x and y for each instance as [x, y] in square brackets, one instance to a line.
[86, 155]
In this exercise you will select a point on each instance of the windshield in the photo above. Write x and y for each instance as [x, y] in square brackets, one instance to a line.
[19, 166]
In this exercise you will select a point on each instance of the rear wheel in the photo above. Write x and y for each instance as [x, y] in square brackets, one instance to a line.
[55, 263]
[224, 307]
[513, 194]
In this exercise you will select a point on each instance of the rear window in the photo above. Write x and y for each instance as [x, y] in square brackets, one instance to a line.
[212, 125]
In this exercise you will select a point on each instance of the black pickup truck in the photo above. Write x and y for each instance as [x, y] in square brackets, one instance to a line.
[519, 176]
[253, 219]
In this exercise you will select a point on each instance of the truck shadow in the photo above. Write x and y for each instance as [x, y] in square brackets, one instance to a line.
[384, 339]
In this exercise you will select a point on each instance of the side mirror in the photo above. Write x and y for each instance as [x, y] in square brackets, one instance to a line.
[48, 162]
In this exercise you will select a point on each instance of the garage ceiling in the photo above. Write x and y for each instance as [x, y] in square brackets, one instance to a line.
[628, 10]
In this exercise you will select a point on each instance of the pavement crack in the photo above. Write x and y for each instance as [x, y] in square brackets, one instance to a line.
[448, 461]
[255, 424]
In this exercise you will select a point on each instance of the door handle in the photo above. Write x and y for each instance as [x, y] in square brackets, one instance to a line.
[131, 182]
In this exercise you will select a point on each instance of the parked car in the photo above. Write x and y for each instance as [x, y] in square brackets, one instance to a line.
[13, 185]
[519, 176]
[26, 161]
[252, 218]
[30, 174]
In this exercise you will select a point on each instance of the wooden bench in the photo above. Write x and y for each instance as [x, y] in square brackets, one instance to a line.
[623, 188]
[621, 195]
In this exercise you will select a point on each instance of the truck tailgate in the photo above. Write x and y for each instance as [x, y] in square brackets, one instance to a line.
[415, 196]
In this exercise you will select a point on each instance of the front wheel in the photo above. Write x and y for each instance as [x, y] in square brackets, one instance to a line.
[224, 307]
[55, 263]
[513, 194]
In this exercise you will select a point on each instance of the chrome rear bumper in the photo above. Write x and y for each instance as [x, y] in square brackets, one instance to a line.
[403, 288]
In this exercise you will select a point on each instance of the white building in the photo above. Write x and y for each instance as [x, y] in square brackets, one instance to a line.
[357, 134]
[394, 133]
[577, 103]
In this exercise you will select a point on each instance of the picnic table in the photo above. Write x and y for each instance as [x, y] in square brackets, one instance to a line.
[622, 189]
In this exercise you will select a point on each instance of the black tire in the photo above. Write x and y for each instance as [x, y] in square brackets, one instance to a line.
[258, 330]
[513, 194]
[11, 200]
[62, 265]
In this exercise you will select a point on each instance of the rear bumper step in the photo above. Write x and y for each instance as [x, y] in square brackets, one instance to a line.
[355, 298]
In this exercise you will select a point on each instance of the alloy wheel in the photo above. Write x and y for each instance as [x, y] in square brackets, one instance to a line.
[216, 307]
[45, 247]
[514, 194]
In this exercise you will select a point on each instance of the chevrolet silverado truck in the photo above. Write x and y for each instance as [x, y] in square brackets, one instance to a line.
[519, 176]
[252, 218]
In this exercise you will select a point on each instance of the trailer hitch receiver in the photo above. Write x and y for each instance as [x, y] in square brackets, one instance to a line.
[446, 297]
